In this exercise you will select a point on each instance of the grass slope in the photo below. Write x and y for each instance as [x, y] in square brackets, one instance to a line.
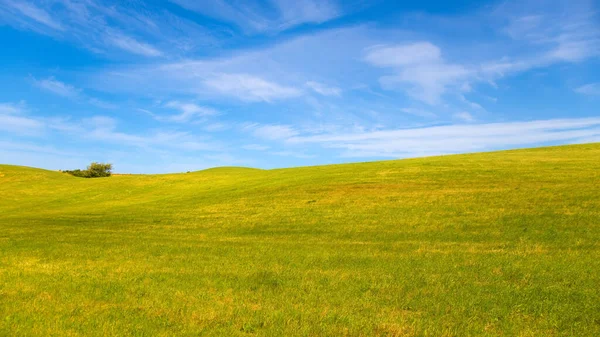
[503, 243]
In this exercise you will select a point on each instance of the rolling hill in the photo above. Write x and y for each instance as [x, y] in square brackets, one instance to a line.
[493, 244]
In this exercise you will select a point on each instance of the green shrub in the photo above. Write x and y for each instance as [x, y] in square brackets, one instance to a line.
[94, 170]
[97, 170]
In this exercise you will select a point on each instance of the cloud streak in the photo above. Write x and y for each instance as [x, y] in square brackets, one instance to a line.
[270, 132]
[592, 89]
[271, 16]
[59, 88]
[14, 121]
[454, 138]
[189, 111]
[101, 129]
[250, 88]
[131, 45]
[323, 89]
[108, 30]
[31, 12]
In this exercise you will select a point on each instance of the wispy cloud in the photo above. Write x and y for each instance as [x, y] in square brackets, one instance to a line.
[105, 129]
[189, 111]
[255, 147]
[31, 12]
[50, 84]
[250, 88]
[130, 44]
[292, 154]
[420, 67]
[418, 112]
[274, 15]
[471, 104]
[108, 29]
[216, 127]
[592, 89]
[54, 86]
[297, 12]
[102, 129]
[464, 116]
[14, 121]
[20, 125]
[455, 138]
[12, 108]
[323, 89]
[544, 36]
[270, 132]
[569, 29]
[31, 147]
[101, 104]
[404, 55]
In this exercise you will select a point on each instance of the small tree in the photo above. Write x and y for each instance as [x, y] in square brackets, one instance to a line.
[97, 170]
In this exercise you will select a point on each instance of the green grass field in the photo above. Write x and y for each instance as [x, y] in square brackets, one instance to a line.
[492, 244]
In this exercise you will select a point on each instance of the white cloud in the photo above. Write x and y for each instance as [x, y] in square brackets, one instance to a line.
[12, 120]
[31, 154]
[577, 42]
[250, 88]
[33, 12]
[196, 146]
[424, 71]
[404, 55]
[57, 87]
[102, 104]
[272, 16]
[574, 51]
[63, 125]
[525, 27]
[105, 28]
[297, 12]
[292, 154]
[31, 147]
[568, 30]
[455, 138]
[592, 89]
[323, 89]
[271, 132]
[12, 108]
[418, 112]
[419, 69]
[188, 112]
[427, 82]
[20, 125]
[216, 127]
[255, 147]
[248, 16]
[464, 116]
[101, 123]
[264, 74]
[470, 103]
[101, 129]
[104, 129]
[543, 36]
[131, 45]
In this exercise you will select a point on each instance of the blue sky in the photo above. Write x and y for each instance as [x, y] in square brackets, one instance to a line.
[179, 85]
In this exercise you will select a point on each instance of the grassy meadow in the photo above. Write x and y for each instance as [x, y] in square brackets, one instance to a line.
[491, 244]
